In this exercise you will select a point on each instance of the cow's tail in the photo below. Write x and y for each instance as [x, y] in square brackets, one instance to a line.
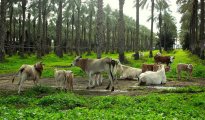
[19, 71]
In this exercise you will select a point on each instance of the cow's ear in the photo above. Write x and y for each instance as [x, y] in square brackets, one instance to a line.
[80, 57]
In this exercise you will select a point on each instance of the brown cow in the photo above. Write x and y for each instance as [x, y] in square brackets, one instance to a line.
[149, 67]
[153, 67]
[163, 59]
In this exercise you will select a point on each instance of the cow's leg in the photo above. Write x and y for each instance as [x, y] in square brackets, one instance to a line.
[111, 82]
[22, 79]
[90, 79]
[178, 74]
[190, 75]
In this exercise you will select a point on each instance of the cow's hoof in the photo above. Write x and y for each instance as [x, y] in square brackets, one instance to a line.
[88, 87]
[112, 89]
[107, 88]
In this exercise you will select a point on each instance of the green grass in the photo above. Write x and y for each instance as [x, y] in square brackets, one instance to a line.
[189, 104]
[12, 64]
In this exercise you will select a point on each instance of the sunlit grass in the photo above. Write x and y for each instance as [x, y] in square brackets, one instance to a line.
[51, 61]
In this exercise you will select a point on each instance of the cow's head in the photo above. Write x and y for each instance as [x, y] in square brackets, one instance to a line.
[76, 60]
[39, 67]
[172, 59]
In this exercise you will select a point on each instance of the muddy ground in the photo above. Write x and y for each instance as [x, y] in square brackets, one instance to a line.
[125, 87]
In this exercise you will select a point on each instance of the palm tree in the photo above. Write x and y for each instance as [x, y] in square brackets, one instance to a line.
[143, 3]
[91, 10]
[160, 6]
[201, 34]
[59, 51]
[24, 2]
[136, 55]
[99, 28]
[108, 29]
[121, 32]
[2, 29]
[38, 44]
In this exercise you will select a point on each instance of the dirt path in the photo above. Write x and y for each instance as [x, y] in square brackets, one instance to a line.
[122, 87]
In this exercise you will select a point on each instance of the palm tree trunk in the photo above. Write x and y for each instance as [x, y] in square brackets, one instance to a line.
[2, 29]
[99, 34]
[201, 35]
[23, 28]
[10, 51]
[38, 43]
[151, 39]
[59, 51]
[29, 34]
[121, 32]
[136, 55]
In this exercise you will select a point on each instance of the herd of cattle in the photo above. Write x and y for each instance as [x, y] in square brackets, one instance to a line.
[148, 74]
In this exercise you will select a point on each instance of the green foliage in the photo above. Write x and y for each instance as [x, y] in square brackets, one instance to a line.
[189, 104]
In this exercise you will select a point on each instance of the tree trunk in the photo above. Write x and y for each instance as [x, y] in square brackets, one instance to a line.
[121, 32]
[59, 51]
[2, 29]
[108, 35]
[34, 35]
[90, 32]
[72, 32]
[29, 34]
[78, 35]
[151, 39]
[99, 34]
[201, 35]
[160, 31]
[136, 55]
[10, 51]
[23, 28]
[39, 42]
[44, 39]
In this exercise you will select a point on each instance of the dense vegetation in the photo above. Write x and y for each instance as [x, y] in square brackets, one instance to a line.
[51, 61]
[60, 105]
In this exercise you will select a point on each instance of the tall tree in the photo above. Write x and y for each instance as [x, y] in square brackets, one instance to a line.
[99, 29]
[161, 5]
[2, 29]
[91, 4]
[78, 35]
[59, 50]
[121, 32]
[143, 3]
[38, 43]
[201, 34]
[136, 55]
[24, 2]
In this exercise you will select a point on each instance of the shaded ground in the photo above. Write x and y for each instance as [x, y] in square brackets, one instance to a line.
[125, 87]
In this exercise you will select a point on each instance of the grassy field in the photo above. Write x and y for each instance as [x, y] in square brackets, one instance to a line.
[12, 64]
[189, 104]
[43, 102]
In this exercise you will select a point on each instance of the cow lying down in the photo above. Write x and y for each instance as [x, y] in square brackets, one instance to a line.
[29, 72]
[153, 78]
[127, 72]
[96, 66]
[64, 79]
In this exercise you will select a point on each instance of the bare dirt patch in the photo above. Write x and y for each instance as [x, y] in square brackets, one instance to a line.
[124, 87]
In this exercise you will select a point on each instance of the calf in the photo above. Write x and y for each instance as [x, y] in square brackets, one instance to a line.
[94, 66]
[64, 79]
[128, 72]
[149, 67]
[29, 72]
[184, 67]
